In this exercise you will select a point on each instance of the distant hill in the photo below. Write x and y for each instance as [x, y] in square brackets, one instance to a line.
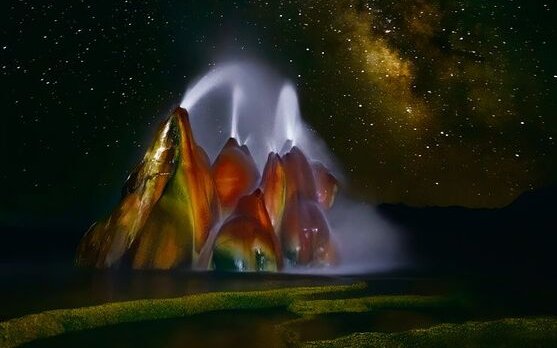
[520, 238]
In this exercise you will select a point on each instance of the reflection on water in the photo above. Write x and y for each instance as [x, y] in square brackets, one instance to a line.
[31, 289]
[218, 329]
[244, 329]
[25, 289]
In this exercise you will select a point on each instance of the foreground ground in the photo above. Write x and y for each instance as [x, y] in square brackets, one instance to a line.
[310, 316]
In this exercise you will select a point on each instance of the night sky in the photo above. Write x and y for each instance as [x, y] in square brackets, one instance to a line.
[422, 102]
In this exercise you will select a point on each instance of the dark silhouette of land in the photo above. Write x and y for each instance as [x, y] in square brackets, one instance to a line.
[519, 239]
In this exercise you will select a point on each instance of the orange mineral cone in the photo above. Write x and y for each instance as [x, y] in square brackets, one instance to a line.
[273, 184]
[246, 241]
[299, 175]
[107, 241]
[235, 174]
[326, 185]
[180, 222]
[305, 234]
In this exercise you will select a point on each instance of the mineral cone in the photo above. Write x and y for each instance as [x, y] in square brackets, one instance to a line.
[273, 184]
[299, 175]
[326, 185]
[107, 241]
[235, 174]
[305, 235]
[246, 241]
[168, 206]
[180, 223]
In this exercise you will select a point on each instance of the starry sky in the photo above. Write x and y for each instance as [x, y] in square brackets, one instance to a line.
[423, 102]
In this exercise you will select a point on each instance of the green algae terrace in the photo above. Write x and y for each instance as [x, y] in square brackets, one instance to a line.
[513, 332]
[55, 322]
[307, 303]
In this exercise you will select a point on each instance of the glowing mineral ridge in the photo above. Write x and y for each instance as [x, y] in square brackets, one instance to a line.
[259, 108]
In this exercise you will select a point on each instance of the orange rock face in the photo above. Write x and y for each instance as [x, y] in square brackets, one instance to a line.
[246, 241]
[235, 174]
[273, 184]
[195, 165]
[180, 223]
[168, 207]
[305, 234]
[326, 185]
[295, 193]
[299, 175]
[108, 240]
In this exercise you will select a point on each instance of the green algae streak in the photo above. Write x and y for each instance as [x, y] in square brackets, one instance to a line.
[56, 322]
[512, 332]
[306, 302]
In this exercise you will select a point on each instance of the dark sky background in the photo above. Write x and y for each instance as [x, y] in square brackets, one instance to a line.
[423, 102]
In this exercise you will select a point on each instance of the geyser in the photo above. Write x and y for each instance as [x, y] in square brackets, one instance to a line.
[287, 117]
[202, 198]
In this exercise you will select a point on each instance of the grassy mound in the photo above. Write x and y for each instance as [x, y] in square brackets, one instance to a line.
[55, 322]
[307, 303]
[366, 304]
[517, 332]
